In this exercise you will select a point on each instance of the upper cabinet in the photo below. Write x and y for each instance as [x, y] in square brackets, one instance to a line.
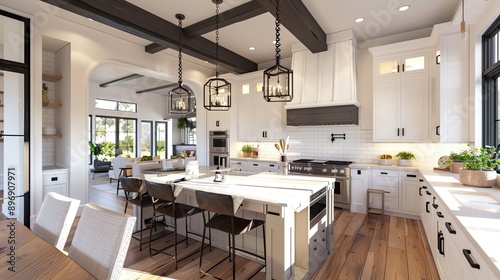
[327, 78]
[452, 101]
[401, 92]
[258, 120]
[407, 63]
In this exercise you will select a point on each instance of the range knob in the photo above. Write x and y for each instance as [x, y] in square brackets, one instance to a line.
[342, 171]
[324, 170]
[335, 171]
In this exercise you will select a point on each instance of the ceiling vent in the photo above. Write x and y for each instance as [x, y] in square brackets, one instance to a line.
[333, 115]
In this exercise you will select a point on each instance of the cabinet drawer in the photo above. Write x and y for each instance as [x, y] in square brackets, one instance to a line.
[385, 173]
[54, 178]
[253, 206]
[471, 256]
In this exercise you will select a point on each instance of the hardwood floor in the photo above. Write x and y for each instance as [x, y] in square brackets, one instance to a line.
[366, 247]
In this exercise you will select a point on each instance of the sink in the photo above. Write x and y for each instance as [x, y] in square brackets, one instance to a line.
[477, 200]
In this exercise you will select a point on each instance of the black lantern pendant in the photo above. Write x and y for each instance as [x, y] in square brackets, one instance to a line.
[180, 97]
[278, 80]
[217, 91]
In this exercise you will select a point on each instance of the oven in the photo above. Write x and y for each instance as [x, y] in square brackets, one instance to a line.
[334, 169]
[221, 160]
[218, 142]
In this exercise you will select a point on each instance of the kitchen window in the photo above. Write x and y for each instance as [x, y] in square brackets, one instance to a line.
[491, 85]
[121, 132]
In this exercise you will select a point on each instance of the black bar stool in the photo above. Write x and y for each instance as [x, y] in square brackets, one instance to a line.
[224, 207]
[164, 204]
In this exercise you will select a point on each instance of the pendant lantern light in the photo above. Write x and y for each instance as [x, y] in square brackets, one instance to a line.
[217, 91]
[278, 80]
[180, 97]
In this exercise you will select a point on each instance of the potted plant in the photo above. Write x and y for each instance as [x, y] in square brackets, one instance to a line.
[405, 158]
[183, 124]
[479, 167]
[457, 160]
[247, 150]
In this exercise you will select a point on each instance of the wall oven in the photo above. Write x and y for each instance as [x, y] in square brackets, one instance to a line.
[218, 147]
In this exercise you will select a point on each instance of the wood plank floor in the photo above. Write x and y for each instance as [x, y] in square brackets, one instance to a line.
[366, 247]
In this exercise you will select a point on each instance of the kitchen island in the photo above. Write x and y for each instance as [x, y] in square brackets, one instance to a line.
[296, 243]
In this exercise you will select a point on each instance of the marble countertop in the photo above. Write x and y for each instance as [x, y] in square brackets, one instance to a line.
[281, 190]
[274, 160]
[476, 209]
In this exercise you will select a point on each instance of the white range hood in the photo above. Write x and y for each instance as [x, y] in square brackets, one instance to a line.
[327, 78]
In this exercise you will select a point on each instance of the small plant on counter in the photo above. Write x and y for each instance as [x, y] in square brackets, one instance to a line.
[405, 155]
[481, 158]
[247, 148]
[459, 156]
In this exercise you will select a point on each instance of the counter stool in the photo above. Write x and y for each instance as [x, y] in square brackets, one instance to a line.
[375, 210]
[224, 207]
[135, 193]
[163, 197]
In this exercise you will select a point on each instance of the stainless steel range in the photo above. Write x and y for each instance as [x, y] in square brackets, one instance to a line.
[332, 168]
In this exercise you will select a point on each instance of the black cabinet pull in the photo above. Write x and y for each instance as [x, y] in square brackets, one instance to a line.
[424, 187]
[411, 175]
[255, 164]
[403, 67]
[441, 242]
[450, 228]
[383, 173]
[440, 215]
[470, 259]
[438, 130]
[434, 203]
[420, 191]
[398, 131]
[420, 180]
[398, 72]
[428, 192]
[403, 130]
[427, 206]
[359, 172]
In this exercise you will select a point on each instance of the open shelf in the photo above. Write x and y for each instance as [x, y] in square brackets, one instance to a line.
[51, 77]
[51, 136]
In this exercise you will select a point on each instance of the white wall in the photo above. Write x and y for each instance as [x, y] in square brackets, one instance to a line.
[89, 49]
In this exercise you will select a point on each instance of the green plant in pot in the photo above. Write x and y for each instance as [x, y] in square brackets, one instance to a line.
[405, 158]
[247, 150]
[457, 159]
[479, 167]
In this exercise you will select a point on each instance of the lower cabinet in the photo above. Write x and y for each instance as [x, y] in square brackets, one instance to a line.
[454, 254]
[253, 166]
[55, 180]
[360, 182]
[388, 181]
[409, 185]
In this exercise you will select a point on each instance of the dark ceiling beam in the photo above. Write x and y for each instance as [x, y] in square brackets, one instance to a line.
[295, 16]
[122, 79]
[240, 13]
[124, 16]
[157, 88]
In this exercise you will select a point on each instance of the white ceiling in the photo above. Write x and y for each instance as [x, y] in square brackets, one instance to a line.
[381, 19]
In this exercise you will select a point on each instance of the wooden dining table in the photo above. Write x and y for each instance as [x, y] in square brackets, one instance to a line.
[24, 255]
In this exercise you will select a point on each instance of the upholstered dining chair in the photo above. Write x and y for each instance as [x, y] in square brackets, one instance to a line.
[55, 218]
[101, 241]
[225, 206]
[115, 173]
[136, 193]
[164, 204]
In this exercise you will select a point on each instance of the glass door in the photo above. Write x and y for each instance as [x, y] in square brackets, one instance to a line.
[14, 116]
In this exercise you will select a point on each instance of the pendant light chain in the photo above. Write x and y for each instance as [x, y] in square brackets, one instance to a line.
[217, 40]
[180, 52]
[278, 43]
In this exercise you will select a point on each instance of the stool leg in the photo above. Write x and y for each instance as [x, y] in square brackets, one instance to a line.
[368, 202]
[383, 206]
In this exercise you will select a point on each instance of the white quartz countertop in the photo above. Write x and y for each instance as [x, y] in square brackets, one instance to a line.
[476, 209]
[271, 160]
[281, 190]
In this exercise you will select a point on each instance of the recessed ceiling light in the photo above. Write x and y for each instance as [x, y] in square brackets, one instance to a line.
[404, 8]
[252, 48]
[360, 19]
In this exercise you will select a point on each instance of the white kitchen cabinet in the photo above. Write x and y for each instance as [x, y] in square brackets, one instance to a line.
[401, 109]
[401, 64]
[258, 120]
[452, 117]
[409, 185]
[253, 166]
[360, 182]
[388, 181]
[55, 180]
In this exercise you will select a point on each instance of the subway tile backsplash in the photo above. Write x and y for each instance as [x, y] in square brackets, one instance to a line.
[315, 142]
